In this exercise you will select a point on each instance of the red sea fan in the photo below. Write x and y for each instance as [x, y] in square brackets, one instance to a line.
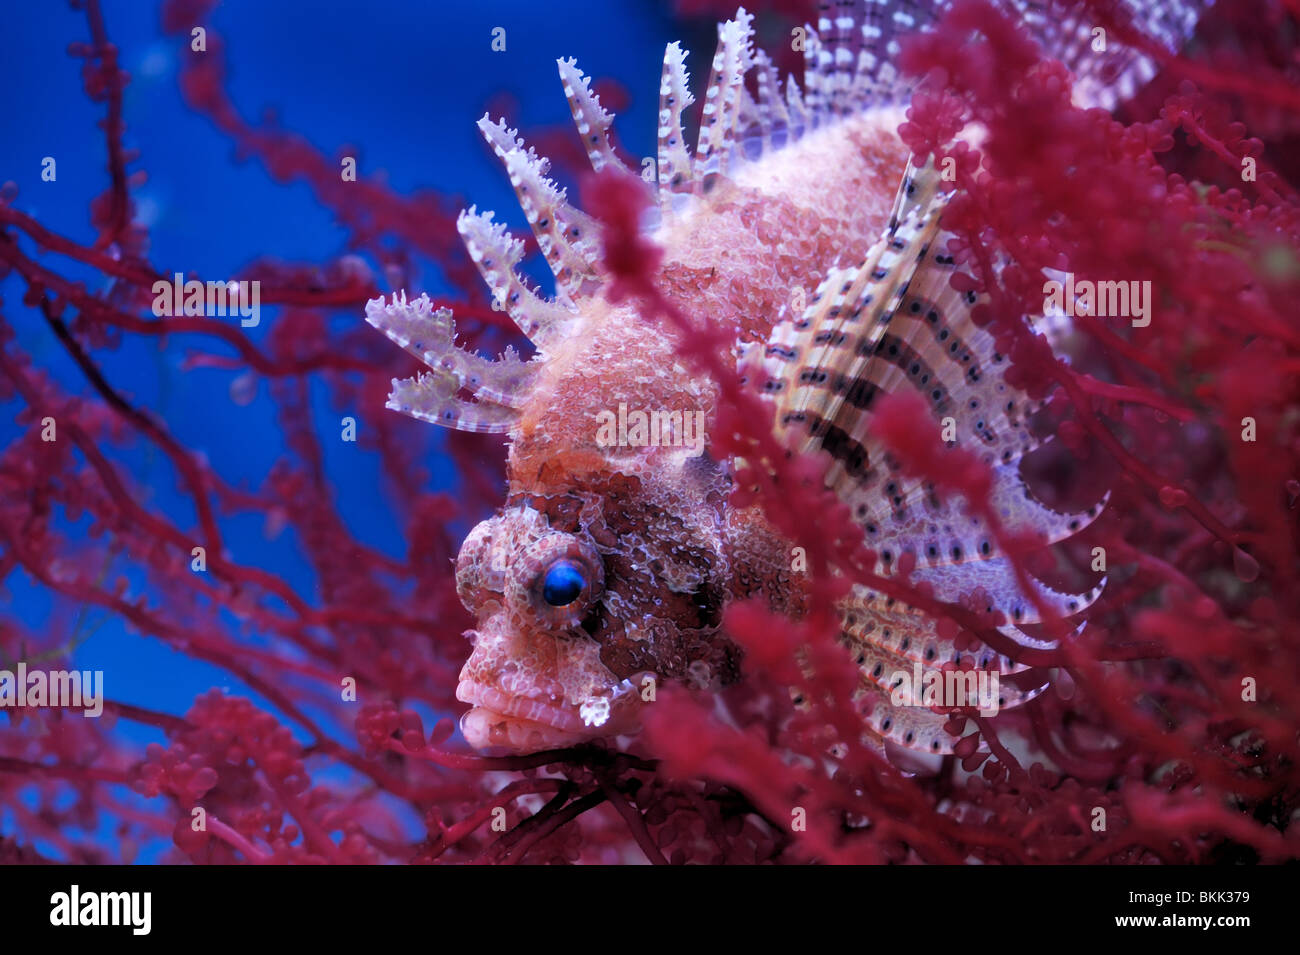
[1169, 734]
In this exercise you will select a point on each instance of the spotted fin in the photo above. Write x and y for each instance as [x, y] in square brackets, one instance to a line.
[429, 334]
[566, 235]
[914, 728]
[723, 97]
[851, 59]
[497, 253]
[996, 580]
[892, 323]
[675, 174]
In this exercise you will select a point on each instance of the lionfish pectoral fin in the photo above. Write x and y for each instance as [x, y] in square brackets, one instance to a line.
[824, 367]
[499, 387]
[890, 324]
[911, 727]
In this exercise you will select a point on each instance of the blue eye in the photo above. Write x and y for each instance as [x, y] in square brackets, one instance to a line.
[563, 585]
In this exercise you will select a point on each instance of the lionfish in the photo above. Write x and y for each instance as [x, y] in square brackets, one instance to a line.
[610, 562]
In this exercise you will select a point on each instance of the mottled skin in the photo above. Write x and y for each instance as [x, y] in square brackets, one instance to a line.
[803, 229]
[653, 523]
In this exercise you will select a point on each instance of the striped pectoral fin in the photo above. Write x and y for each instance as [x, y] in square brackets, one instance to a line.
[806, 360]
[824, 371]
[896, 324]
[842, 327]
[929, 342]
[921, 188]
[773, 367]
[996, 580]
[912, 727]
[934, 348]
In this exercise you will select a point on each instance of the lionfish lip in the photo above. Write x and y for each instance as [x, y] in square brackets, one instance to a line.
[521, 708]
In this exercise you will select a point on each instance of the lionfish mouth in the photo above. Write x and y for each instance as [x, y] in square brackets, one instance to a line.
[521, 724]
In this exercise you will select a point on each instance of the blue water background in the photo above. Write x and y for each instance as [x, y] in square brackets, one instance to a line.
[403, 81]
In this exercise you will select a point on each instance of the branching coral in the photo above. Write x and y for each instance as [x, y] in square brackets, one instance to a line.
[1174, 711]
[1177, 712]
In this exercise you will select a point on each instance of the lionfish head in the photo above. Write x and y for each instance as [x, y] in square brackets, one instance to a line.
[578, 620]
[580, 610]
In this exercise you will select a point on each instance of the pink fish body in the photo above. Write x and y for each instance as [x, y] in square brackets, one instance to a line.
[606, 571]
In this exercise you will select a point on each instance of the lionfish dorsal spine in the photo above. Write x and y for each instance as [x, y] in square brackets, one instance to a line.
[816, 77]
[496, 254]
[592, 120]
[674, 158]
[566, 236]
[723, 97]
[465, 391]
[796, 109]
[849, 66]
[429, 333]
[769, 111]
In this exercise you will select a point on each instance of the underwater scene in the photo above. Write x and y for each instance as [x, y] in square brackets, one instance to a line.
[845, 433]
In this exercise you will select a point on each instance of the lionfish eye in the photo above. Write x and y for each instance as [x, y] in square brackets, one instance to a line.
[563, 584]
[556, 580]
